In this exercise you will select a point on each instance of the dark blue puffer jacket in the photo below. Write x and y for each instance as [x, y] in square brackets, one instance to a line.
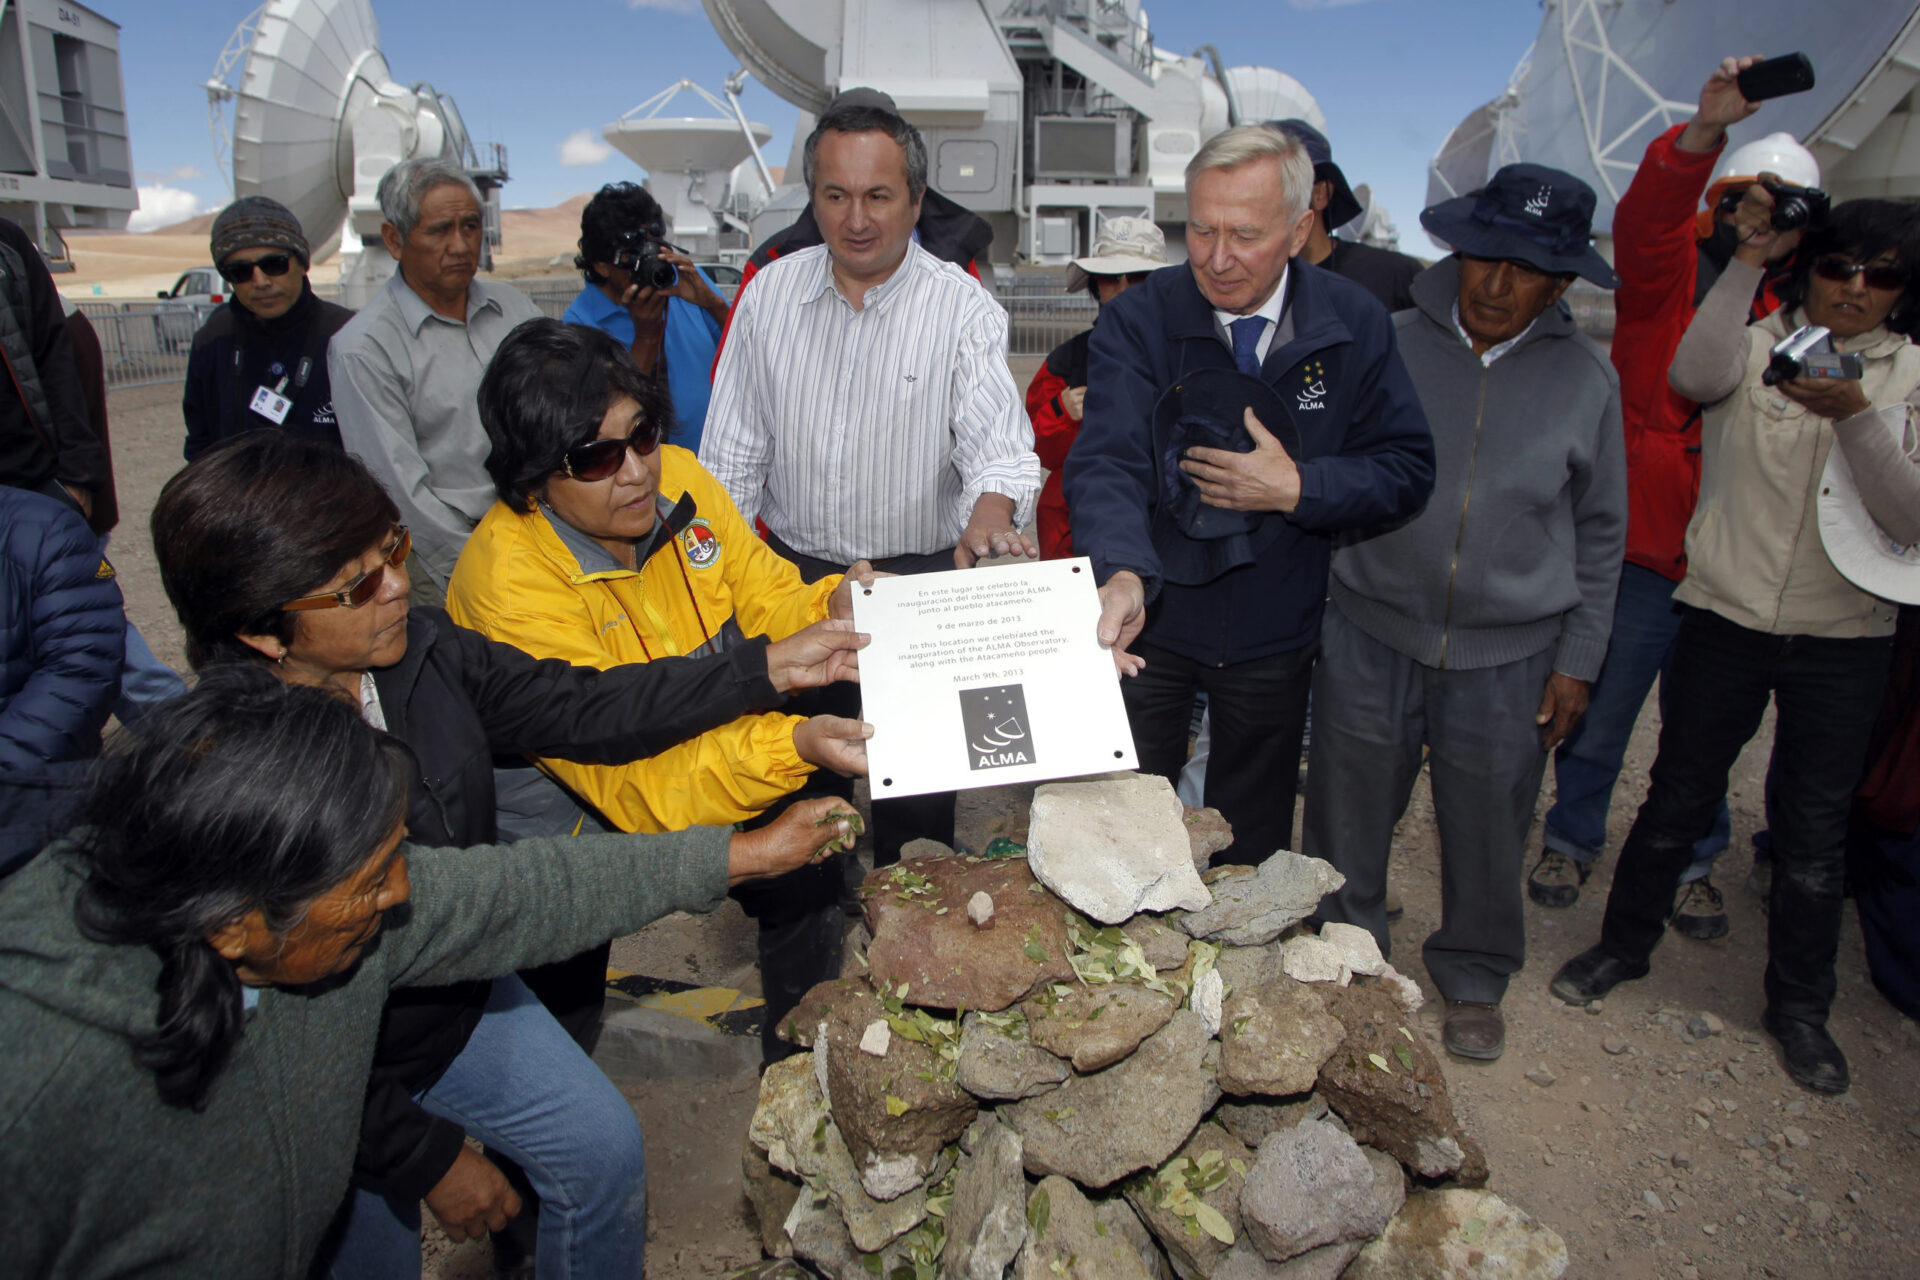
[62, 642]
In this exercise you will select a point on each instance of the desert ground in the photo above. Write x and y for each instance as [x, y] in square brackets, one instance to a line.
[1653, 1153]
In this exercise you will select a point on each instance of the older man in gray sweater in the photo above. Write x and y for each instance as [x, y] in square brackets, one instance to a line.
[1475, 628]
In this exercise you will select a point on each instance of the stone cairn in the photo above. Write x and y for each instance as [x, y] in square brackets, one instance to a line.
[1096, 1063]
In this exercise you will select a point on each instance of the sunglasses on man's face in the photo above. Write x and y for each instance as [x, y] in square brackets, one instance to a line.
[366, 586]
[274, 264]
[1876, 275]
[598, 459]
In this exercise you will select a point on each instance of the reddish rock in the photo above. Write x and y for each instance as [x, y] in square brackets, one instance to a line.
[1207, 832]
[1274, 1038]
[1403, 1107]
[917, 910]
[1095, 1027]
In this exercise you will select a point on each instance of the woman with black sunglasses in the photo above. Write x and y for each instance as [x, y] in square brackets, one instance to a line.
[261, 360]
[609, 546]
[1766, 614]
[281, 551]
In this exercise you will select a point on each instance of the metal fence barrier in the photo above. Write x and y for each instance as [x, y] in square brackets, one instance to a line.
[143, 343]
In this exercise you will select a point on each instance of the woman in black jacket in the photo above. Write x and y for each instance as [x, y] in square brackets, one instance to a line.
[281, 550]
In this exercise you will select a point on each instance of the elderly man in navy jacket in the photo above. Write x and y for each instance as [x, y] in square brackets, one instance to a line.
[1240, 412]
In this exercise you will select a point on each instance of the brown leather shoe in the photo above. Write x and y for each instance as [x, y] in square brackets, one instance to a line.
[1474, 1030]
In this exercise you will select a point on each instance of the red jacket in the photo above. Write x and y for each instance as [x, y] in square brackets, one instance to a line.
[1658, 258]
[1053, 434]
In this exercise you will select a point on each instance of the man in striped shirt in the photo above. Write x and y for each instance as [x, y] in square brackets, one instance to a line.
[863, 408]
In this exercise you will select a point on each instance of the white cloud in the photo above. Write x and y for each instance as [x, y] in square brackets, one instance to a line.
[187, 173]
[583, 147]
[162, 206]
[666, 6]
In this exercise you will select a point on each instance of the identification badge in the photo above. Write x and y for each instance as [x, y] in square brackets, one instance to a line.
[270, 404]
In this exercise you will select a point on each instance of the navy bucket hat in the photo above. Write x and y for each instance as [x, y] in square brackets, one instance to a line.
[1197, 543]
[1528, 213]
[1343, 207]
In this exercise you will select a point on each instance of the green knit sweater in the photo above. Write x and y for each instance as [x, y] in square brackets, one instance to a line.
[99, 1177]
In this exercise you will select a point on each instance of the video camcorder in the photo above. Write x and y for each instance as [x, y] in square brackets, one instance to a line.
[1808, 352]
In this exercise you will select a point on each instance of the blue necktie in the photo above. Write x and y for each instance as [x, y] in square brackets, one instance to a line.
[1246, 344]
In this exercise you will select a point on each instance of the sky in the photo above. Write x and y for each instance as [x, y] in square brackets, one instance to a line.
[1392, 76]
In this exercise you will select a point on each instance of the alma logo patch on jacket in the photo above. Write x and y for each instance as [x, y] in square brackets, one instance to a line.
[1313, 392]
[700, 544]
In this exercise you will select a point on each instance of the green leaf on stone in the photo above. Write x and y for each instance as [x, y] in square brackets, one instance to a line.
[896, 1106]
[1405, 1055]
[1379, 1062]
[1039, 1209]
[1212, 1221]
[1100, 1228]
[871, 1262]
[1472, 1229]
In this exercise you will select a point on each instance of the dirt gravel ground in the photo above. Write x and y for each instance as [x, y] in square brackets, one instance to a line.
[1653, 1153]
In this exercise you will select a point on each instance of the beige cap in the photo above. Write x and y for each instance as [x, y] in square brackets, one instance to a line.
[1123, 247]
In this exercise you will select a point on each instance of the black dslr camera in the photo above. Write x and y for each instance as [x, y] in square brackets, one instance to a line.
[1797, 207]
[642, 254]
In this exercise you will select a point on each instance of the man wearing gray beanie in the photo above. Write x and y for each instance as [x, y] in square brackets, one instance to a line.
[261, 360]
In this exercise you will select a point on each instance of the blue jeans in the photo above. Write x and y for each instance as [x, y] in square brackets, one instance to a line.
[1587, 764]
[525, 1088]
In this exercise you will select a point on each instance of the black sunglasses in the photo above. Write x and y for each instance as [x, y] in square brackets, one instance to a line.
[1877, 275]
[598, 459]
[274, 264]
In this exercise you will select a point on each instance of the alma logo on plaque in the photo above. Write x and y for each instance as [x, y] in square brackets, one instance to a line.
[995, 720]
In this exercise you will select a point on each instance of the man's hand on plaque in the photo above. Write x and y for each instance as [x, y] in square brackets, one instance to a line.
[815, 656]
[1264, 480]
[1123, 611]
[860, 573]
[990, 533]
[834, 742]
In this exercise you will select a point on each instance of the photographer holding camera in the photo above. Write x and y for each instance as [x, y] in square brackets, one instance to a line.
[650, 298]
[1765, 612]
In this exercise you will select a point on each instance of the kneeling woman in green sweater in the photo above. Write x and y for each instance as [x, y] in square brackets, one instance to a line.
[240, 854]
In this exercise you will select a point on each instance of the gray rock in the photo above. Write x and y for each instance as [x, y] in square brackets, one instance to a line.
[816, 1235]
[1274, 1039]
[1098, 1129]
[1309, 1186]
[1245, 967]
[1114, 846]
[1311, 959]
[771, 1193]
[1122, 1224]
[791, 1124]
[1541, 1075]
[1004, 1064]
[1614, 1045]
[1251, 1121]
[1164, 946]
[1358, 949]
[1095, 1027]
[987, 1221]
[1389, 1182]
[1251, 911]
[1456, 1234]
[1192, 1251]
[1074, 1244]
[1244, 1262]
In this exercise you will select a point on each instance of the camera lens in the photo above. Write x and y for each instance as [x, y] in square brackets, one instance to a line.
[1791, 214]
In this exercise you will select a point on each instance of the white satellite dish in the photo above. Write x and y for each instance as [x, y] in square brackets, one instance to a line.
[1604, 77]
[690, 161]
[1260, 94]
[318, 119]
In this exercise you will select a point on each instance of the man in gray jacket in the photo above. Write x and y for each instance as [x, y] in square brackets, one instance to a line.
[1475, 628]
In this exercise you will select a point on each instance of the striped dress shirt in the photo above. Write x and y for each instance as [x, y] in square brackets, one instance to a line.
[871, 433]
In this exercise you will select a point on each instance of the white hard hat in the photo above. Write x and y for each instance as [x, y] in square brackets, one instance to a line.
[1777, 153]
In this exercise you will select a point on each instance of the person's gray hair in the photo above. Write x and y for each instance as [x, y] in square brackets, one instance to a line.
[1247, 143]
[406, 185]
[862, 118]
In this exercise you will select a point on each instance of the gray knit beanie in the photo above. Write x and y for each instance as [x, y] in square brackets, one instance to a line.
[255, 222]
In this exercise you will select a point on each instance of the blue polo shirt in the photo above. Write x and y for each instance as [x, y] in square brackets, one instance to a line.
[692, 338]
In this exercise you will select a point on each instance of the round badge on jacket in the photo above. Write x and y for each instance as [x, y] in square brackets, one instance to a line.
[700, 544]
[1859, 548]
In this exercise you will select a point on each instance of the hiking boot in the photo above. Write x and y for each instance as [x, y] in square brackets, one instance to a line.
[1556, 880]
[1474, 1030]
[1811, 1056]
[1701, 912]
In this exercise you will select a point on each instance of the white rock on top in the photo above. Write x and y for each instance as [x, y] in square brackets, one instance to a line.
[1208, 995]
[1114, 846]
[877, 1038]
[1311, 959]
[1357, 947]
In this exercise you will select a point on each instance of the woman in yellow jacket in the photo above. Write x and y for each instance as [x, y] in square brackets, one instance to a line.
[606, 547]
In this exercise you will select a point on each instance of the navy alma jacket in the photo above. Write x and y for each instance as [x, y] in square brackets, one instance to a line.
[1365, 456]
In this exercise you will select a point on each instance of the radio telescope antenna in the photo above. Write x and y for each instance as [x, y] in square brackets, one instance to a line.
[318, 119]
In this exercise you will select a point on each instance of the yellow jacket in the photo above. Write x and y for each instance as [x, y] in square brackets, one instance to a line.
[538, 585]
